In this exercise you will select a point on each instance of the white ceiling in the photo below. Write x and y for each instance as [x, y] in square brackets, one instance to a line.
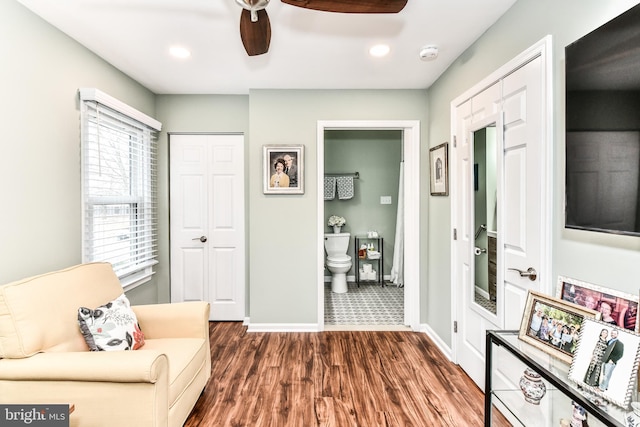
[309, 49]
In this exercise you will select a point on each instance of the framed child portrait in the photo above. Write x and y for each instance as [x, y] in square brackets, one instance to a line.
[283, 167]
[606, 361]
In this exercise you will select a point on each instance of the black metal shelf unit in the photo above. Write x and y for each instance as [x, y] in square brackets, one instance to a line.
[361, 259]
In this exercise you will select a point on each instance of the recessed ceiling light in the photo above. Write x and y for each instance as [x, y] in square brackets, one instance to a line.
[379, 50]
[179, 52]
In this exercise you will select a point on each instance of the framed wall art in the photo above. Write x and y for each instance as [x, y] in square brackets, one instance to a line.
[617, 308]
[553, 325]
[439, 165]
[606, 361]
[283, 167]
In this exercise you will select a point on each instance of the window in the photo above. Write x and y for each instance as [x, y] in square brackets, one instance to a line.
[118, 186]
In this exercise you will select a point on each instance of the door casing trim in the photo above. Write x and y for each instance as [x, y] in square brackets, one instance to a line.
[411, 146]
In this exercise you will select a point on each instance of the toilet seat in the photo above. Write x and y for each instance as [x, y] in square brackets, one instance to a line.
[339, 258]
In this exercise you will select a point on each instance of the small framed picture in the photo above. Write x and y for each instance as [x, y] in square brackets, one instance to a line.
[283, 169]
[617, 308]
[553, 325]
[439, 165]
[606, 361]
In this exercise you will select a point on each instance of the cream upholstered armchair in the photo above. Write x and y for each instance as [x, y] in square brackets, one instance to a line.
[44, 358]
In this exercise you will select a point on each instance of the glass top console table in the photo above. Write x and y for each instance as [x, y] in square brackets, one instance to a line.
[506, 359]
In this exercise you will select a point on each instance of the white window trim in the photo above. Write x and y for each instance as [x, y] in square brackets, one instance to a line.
[130, 281]
[92, 94]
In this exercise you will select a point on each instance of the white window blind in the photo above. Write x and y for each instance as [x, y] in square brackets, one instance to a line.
[118, 186]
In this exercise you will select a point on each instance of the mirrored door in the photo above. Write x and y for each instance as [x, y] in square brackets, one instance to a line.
[485, 219]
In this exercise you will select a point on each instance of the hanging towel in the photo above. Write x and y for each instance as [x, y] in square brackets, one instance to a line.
[345, 187]
[329, 188]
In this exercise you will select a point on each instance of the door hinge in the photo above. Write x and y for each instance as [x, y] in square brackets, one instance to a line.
[455, 141]
[455, 326]
[455, 234]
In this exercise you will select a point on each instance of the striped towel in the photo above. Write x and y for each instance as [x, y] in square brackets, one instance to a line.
[329, 188]
[345, 187]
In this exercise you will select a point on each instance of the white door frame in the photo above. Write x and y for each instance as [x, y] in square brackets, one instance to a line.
[540, 49]
[411, 145]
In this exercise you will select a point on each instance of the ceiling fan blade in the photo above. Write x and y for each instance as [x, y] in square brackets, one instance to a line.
[255, 36]
[351, 6]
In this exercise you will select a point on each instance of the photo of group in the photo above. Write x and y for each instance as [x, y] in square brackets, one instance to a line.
[553, 325]
[606, 361]
[616, 308]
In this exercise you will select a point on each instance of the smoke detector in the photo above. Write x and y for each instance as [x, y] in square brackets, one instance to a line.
[428, 53]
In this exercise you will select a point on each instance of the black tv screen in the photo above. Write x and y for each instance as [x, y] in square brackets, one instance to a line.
[602, 73]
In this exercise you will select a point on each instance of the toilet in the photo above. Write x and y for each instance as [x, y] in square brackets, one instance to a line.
[338, 262]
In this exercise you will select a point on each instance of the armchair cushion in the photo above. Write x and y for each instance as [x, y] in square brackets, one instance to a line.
[111, 326]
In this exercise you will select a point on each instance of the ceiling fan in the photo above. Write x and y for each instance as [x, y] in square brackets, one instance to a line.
[255, 28]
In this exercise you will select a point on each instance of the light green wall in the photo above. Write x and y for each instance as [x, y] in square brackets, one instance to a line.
[376, 155]
[283, 228]
[603, 259]
[40, 74]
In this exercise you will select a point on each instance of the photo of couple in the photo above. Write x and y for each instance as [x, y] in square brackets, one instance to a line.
[283, 169]
[606, 354]
[605, 361]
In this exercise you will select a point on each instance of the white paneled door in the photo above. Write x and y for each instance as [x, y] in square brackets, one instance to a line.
[206, 184]
[516, 104]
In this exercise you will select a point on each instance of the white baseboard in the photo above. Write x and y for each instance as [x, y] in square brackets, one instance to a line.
[283, 327]
[442, 346]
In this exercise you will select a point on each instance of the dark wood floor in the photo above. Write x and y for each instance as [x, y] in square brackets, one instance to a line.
[339, 379]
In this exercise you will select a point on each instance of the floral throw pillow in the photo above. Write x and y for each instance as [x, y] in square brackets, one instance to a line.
[112, 326]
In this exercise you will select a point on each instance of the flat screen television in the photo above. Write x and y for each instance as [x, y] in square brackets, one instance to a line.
[602, 70]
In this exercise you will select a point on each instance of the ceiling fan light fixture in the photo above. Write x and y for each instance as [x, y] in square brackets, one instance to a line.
[379, 50]
[179, 52]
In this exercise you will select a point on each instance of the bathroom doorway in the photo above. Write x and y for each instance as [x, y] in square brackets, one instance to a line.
[372, 213]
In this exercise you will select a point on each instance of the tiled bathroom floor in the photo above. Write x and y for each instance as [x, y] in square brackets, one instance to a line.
[487, 304]
[367, 305]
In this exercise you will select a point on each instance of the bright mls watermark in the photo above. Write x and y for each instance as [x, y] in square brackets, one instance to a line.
[34, 415]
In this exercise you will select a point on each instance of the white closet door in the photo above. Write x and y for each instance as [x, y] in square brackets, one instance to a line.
[207, 222]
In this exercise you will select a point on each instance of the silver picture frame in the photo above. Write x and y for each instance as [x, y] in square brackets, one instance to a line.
[589, 365]
[275, 157]
[623, 306]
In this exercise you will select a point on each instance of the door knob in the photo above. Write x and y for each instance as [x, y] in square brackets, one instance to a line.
[531, 273]
[201, 238]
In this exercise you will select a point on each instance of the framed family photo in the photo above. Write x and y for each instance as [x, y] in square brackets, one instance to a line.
[606, 361]
[553, 325]
[439, 165]
[617, 308]
[283, 167]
